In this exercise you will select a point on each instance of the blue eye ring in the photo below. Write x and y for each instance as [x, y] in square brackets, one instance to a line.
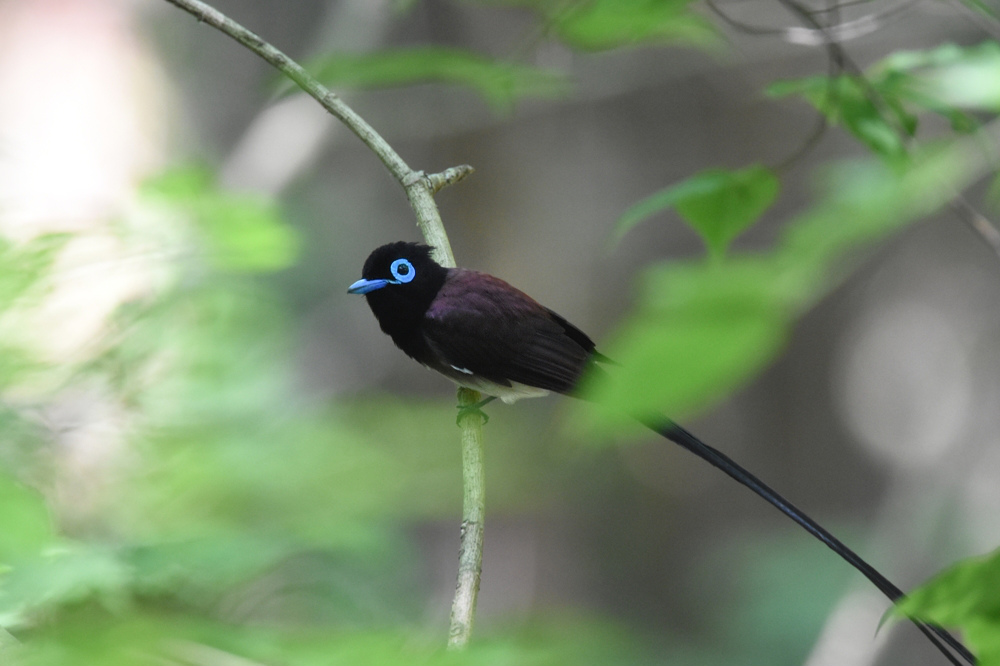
[403, 271]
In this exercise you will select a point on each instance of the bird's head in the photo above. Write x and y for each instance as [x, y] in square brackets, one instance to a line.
[399, 280]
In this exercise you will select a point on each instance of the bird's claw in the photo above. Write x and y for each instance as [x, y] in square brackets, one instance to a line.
[474, 408]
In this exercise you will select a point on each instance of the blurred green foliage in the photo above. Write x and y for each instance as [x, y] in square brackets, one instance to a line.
[595, 25]
[946, 79]
[705, 327]
[238, 232]
[846, 99]
[599, 25]
[240, 519]
[500, 84]
[963, 596]
[883, 107]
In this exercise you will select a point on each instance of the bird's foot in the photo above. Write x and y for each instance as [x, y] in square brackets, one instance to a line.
[474, 408]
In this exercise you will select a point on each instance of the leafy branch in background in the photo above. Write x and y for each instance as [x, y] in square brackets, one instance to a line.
[963, 596]
[709, 326]
[703, 328]
[745, 304]
[235, 488]
[501, 84]
[610, 24]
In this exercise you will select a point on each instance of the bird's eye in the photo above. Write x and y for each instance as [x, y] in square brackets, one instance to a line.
[403, 271]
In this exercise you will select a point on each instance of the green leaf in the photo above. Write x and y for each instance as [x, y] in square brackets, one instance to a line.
[881, 109]
[606, 24]
[847, 100]
[929, 80]
[912, 60]
[965, 596]
[717, 203]
[500, 83]
[970, 78]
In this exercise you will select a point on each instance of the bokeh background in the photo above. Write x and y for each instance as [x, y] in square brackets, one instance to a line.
[211, 455]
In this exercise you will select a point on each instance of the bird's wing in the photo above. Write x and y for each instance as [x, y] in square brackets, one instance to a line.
[480, 325]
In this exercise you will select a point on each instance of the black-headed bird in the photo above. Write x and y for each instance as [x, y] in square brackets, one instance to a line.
[484, 334]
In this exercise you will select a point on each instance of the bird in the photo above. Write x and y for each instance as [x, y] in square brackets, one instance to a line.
[484, 334]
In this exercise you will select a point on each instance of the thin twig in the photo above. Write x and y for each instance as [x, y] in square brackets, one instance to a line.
[966, 212]
[847, 64]
[834, 69]
[846, 31]
[807, 145]
[977, 221]
[838, 6]
[988, 22]
[439, 181]
[536, 34]
[816, 35]
[740, 25]
[419, 191]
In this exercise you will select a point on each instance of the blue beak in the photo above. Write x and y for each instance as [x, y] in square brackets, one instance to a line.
[365, 286]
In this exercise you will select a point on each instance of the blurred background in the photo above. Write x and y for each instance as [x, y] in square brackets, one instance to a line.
[210, 454]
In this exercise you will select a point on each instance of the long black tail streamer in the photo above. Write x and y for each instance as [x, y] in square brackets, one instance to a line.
[938, 636]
